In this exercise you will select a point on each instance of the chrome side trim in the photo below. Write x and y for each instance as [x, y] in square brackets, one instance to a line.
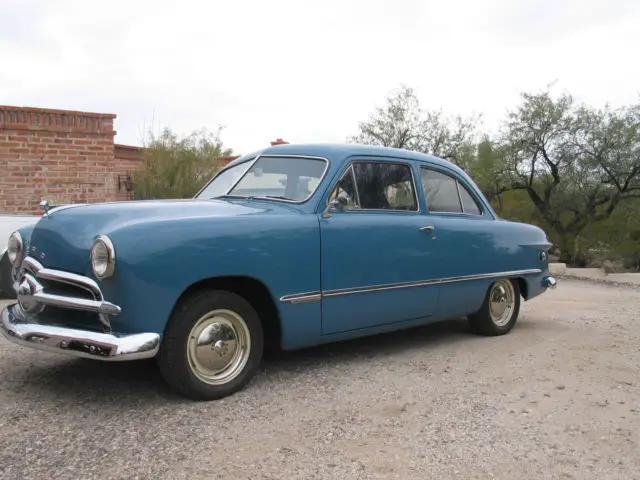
[77, 343]
[316, 296]
[423, 283]
[302, 297]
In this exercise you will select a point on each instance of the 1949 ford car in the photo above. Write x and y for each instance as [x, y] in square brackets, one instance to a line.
[294, 246]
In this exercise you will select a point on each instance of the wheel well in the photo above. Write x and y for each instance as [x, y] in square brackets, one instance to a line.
[253, 291]
[522, 284]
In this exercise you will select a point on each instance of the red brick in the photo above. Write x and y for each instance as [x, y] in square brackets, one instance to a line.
[65, 156]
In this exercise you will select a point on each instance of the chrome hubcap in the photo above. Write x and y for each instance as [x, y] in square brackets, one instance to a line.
[218, 347]
[501, 302]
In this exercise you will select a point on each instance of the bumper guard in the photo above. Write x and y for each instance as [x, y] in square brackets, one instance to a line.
[549, 282]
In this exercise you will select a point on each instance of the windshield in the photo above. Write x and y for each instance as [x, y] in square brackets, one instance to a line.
[224, 181]
[281, 178]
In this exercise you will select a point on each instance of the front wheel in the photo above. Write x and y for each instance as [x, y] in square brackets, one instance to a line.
[212, 346]
[499, 311]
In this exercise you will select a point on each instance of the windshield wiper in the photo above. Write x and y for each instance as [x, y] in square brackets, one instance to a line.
[279, 197]
[230, 196]
[251, 197]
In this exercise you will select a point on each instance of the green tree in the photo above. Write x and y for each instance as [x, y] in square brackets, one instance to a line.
[576, 163]
[488, 170]
[617, 238]
[402, 123]
[178, 167]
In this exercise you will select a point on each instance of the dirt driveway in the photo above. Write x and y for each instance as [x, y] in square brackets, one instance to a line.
[557, 398]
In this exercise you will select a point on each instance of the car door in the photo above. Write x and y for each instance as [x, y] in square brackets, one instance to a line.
[466, 233]
[376, 249]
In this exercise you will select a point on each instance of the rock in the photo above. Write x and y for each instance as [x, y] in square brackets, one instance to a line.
[609, 266]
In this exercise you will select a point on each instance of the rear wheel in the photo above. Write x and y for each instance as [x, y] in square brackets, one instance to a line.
[500, 309]
[212, 346]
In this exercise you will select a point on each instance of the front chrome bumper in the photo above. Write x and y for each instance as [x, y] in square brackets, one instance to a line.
[79, 343]
[549, 282]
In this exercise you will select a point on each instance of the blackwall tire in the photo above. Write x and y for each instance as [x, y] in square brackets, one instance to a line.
[212, 346]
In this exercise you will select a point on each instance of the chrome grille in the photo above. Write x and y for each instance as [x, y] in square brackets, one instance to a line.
[38, 287]
[66, 289]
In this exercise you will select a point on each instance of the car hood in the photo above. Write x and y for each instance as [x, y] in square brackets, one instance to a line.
[63, 237]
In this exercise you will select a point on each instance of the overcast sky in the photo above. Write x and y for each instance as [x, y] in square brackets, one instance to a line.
[308, 71]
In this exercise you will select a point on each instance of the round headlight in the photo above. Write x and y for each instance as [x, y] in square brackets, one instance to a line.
[103, 257]
[14, 248]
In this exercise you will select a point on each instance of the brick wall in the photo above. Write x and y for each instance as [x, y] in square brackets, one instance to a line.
[127, 159]
[63, 156]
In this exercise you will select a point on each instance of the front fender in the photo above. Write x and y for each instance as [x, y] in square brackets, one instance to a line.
[157, 261]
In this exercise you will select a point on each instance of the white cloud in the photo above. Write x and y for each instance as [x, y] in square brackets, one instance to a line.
[307, 71]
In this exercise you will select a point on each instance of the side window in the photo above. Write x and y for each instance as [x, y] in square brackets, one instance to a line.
[444, 194]
[385, 186]
[469, 204]
[441, 191]
[377, 186]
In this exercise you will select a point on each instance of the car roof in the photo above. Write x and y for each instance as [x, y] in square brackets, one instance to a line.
[340, 151]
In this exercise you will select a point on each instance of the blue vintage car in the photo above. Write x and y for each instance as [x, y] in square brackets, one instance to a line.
[291, 246]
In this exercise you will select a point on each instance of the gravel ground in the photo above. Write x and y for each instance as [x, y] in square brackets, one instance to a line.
[556, 398]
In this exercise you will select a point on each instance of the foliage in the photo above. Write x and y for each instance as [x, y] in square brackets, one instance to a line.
[487, 169]
[617, 238]
[178, 167]
[576, 163]
[402, 123]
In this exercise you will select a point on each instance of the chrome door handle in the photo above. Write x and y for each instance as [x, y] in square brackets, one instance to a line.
[428, 228]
